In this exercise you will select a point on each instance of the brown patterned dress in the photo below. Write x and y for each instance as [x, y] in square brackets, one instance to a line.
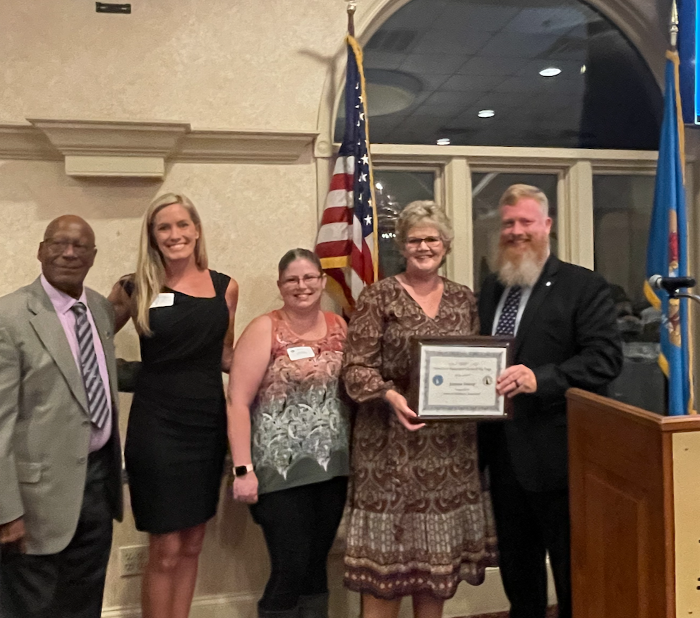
[418, 519]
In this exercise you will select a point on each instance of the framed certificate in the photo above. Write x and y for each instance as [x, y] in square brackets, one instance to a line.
[455, 377]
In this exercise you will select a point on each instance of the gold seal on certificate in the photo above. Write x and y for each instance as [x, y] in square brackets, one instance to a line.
[455, 377]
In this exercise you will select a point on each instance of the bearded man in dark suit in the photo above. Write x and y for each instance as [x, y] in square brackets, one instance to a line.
[563, 321]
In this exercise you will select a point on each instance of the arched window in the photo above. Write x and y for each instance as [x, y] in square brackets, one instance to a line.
[533, 73]
[469, 96]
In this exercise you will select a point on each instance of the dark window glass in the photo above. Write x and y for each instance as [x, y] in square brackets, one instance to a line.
[621, 213]
[435, 64]
[394, 190]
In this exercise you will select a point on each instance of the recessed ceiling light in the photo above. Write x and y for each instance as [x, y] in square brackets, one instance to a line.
[583, 69]
[443, 141]
[550, 72]
[486, 113]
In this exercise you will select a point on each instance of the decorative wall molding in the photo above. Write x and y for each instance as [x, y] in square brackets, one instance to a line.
[23, 141]
[243, 146]
[141, 149]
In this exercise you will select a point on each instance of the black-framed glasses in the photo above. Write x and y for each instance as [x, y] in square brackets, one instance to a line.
[306, 279]
[431, 241]
[60, 246]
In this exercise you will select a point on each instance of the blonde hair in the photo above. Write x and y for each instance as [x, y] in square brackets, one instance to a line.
[424, 212]
[515, 193]
[150, 268]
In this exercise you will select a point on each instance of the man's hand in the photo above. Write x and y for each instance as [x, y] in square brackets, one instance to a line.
[516, 380]
[245, 488]
[12, 535]
[400, 407]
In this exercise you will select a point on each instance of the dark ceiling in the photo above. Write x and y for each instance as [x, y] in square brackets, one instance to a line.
[443, 61]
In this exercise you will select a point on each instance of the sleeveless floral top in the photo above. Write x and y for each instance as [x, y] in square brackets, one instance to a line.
[300, 419]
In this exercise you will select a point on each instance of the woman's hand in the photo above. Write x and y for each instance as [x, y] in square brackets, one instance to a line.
[405, 415]
[122, 304]
[245, 488]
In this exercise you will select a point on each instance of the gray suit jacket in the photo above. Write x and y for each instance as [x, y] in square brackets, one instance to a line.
[44, 419]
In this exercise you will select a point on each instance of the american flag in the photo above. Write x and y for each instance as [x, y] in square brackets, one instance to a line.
[347, 239]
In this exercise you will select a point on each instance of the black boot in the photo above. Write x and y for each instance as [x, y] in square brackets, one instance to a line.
[313, 605]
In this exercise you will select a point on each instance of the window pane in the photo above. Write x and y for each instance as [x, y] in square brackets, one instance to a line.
[487, 189]
[621, 213]
[394, 190]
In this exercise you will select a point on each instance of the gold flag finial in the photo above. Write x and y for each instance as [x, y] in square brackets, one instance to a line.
[674, 25]
[352, 7]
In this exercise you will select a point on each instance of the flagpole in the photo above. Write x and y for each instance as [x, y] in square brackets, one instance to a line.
[674, 26]
[352, 7]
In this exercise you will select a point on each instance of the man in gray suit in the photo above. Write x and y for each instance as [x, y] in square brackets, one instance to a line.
[60, 458]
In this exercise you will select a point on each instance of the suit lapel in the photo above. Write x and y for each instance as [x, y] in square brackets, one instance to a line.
[539, 293]
[50, 331]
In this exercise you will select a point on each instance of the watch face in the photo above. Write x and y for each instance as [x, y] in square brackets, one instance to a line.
[240, 470]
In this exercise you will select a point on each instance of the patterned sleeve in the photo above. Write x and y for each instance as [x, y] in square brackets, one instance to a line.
[362, 361]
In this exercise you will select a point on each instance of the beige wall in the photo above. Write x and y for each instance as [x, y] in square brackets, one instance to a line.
[243, 64]
[217, 64]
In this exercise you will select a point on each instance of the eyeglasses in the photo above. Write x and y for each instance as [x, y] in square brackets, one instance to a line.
[431, 241]
[60, 246]
[306, 279]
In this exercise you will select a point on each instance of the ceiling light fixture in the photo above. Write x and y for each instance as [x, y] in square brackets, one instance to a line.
[443, 141]
[486, 113]
[550, 72]
[583, 69]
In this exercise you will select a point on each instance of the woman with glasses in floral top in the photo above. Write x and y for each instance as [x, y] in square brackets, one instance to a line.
[289, 429]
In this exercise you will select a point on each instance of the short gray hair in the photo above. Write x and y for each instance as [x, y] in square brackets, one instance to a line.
[424, 212]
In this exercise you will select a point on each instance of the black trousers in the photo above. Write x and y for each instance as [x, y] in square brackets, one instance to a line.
[529, 526]
[299, 525]
[69, 584]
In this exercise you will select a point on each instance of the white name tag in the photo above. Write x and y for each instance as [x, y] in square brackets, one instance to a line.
[165, 299]
[300, 352]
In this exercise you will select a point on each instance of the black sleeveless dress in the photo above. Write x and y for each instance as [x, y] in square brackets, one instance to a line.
[176, 436]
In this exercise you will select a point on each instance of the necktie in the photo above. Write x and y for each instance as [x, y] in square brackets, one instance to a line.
[94, 388]
[506, 321]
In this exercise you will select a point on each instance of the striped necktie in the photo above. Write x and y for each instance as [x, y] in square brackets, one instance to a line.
[94, 387]
[506, 321]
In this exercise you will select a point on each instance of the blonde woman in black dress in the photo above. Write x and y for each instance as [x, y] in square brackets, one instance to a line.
[176, 437]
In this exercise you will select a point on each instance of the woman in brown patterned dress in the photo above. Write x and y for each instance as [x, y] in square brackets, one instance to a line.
[419, 522]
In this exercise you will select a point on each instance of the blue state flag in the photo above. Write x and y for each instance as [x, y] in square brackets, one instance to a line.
[667, 250]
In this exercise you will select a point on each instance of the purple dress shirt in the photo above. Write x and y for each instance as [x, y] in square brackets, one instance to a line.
[62, 303]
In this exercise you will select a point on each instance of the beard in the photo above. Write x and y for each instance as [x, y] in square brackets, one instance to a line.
[522, 268]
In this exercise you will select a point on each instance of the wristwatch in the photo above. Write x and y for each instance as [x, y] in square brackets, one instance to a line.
[242, 470]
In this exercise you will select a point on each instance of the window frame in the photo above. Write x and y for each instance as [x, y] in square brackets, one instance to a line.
[575, 167]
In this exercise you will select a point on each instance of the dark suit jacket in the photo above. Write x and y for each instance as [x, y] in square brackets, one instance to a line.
[568, 337]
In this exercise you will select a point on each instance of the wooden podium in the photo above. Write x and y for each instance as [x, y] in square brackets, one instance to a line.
[634, 478]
